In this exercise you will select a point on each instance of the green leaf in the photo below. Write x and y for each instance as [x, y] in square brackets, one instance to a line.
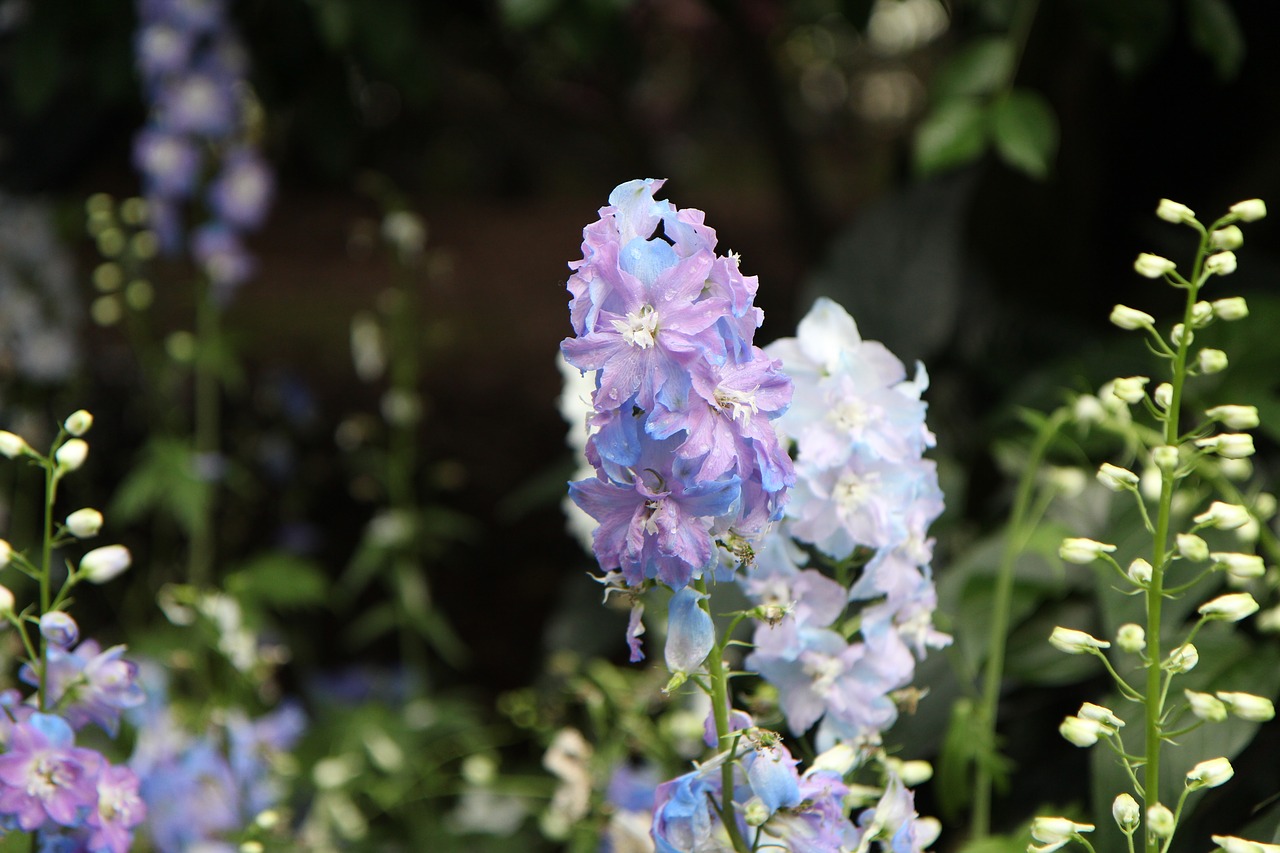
[979, 68]
[953, 134]
[279, 580]
[1025, 131]
[163, 480]
[1216, 33]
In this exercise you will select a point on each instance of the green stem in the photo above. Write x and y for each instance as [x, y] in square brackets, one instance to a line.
[1161, 554]
[1015, 539]
[206, 440]
[46, 557]
[720, 712]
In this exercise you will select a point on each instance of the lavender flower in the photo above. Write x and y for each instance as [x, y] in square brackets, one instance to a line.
[44, 776]
[89, 685]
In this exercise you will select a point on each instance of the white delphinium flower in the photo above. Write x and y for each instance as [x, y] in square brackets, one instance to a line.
[12, 445]
[71, 455]
[1129, 389]
[1223, 516]
[1131, 637]
[1220, 263]
[1175, 212]
[1211, 360]
[1165, 457]
[1235, 417]
[7, 601]
[1126, 812]
[1229, 445]
[1228, 238]
[1201, 314]
[106, 563]
[1140, 571]
[1233, 844]
[1239, 567]
[1131, 319]
[1192, 547]
[1163, 395]
[1182, 659]
[6, 553]
[1160, 821]
[1230, 308]
[78, 423]
[84, 523]
[1178, 333]
[1104, 717]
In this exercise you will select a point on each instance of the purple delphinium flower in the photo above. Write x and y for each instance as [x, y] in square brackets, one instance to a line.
[44, 776]
[683, 818]
[191, 797]
[690, 632]
[680, 434]
[241, 193]
[120, 810]
[88, 685]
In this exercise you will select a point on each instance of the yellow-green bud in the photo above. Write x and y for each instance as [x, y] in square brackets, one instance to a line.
[1153, 266]
[1082, 551]
[1127, 814]
[1163, 395]
[1131, 638]
[1220, 263]
[1206, 706]
[1130, 389]
[1230, 237]
[1211, 360]
[1175, 212]
[1235, 417]
[1131, 318]
[1179, 332]
[1210, 773]
[1247, 706]
[1249, 210]
[1192, 547]
[1160, 821]
[1201, 314]
[1231, 308]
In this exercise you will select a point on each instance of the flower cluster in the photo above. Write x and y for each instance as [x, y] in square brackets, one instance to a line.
[202, 788]
[198, 142]
[681, 438]
[71, 795]
[864, 497]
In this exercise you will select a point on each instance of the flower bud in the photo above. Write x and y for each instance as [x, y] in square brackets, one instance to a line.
[1232, 844]
[755, 812]
[1236, 470]
[1249, 210]
[1231, 308]
[78, 423]
[1131, 638]
[1201, 314]
[1115, 478]
[1140, 571]
[84, 523]
[1220, 263]
[1153, 266]
[1239, 566]
[1130, 389]
[1182, 659]
[1088, 409]
[1223, 516]
[1131, 318]
[1206, 706]
[1210, 360]
[1230, 237]
[59, 628]
[1229, 445]
[1075, 642]
[914, 773]
[1103, 716]
[1057, 830]
[12, 445]
[1081, 732]
[1175, 212]
[1126, 813]
[103, 564]
[1068, 482]
[1192, 547]
[1210, 773]
[1082, 551]
[71, 455]
[840, 759]
[1160, 821]
[6, 553]
[7, 601]
[1247, 706]
[1165, 457]
[1163, 395]
[1180, 332]
[1235, 417]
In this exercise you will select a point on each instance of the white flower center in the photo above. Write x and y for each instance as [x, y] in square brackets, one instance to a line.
[650, 523]
[851, 492]
[824, 669]
[850, 416]
[640, 327]
[736, 403]
[47, 775]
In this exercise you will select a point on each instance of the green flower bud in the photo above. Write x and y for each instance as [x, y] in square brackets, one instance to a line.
[1130, 389]
[1192, 547]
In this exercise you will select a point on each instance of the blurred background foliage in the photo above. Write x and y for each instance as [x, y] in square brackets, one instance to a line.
[971, 179]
